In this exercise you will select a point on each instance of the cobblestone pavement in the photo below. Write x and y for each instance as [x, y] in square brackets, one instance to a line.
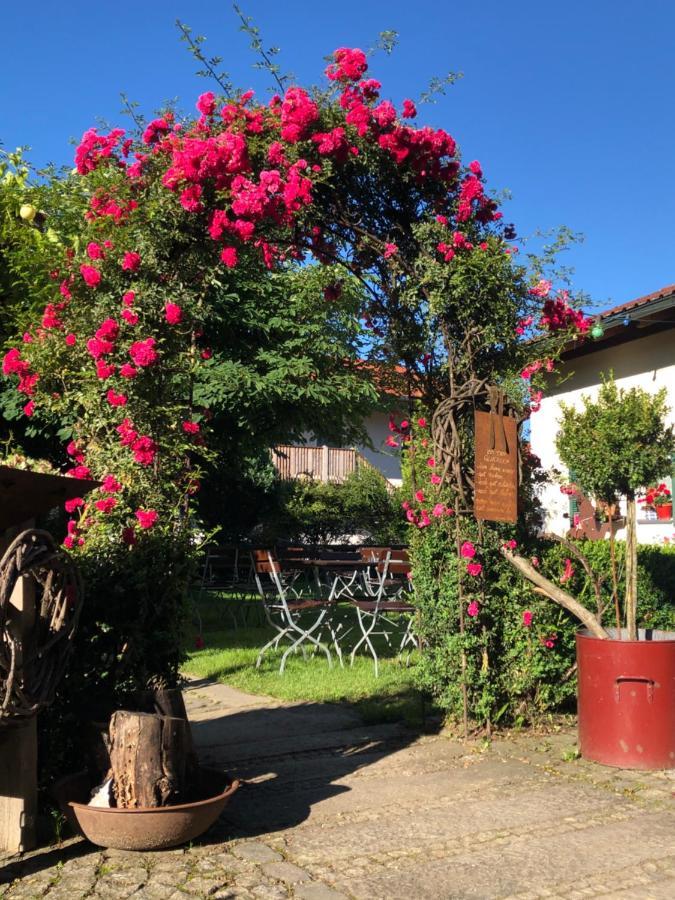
[334, 809]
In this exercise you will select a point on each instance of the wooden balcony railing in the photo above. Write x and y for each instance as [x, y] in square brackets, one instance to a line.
[320, 463]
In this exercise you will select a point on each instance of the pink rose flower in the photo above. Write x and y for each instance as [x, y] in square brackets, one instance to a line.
[71, 505]
[131, 261]
[419, 496]
[527, 618]
[229, 257]
[206, 103]
[567, 572]
[146, 517]
[474, 569]
[143, 353]
[104, 370]
[144, 450]
[173, 313]
[91, 275]
[78, 472]
[473, 608]
[468, 551]
[409, 109]
[108, 330]
[111, 484]
[71, 340]
[115, 399]
[191, 427]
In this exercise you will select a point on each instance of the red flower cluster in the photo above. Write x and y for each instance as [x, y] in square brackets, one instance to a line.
[349, 65]
[144, 449]
[143, 353]
[94, 147]
[657, 496]
[559, 315]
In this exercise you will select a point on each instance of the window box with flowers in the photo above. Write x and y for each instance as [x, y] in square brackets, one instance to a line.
[659, 502]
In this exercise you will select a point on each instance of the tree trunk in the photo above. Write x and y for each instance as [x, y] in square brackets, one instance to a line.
[615, 580]
[631, 569]
[148, 757]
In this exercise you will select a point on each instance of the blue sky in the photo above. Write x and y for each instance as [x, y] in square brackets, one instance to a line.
[568, 105]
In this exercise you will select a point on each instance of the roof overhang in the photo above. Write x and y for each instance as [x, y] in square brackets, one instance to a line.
[628, 322]
[25, 495]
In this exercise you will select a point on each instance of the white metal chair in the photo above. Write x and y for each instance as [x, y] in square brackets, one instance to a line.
[288, 606]
[391, 588]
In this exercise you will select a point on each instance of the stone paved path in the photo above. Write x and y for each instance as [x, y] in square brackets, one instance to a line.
[334, 809]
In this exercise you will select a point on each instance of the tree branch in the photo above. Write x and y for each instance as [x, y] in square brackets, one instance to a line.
[553, 592]
[593, 578]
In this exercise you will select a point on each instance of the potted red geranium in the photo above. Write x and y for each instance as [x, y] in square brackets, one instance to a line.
[659, 498]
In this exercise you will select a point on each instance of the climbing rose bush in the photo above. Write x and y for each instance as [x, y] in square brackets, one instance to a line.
[337, 178]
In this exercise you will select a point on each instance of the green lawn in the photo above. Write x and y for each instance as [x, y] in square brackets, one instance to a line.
[229, 655]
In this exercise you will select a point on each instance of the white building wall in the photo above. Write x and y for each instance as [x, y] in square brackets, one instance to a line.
[648, 363]
[384, 458]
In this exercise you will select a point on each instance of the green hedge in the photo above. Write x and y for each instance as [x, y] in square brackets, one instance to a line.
[512, 675]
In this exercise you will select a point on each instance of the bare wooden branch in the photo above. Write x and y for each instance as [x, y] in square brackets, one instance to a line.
[553, 592]
[593, 578]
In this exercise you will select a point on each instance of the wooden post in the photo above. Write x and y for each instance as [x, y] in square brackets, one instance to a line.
[324, 463]
[18, 743]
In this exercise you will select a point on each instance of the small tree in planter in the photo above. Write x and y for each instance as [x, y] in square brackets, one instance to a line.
[616, 445]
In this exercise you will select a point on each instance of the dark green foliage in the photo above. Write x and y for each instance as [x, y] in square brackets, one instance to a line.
[656, 580]
[618, 443]
[324, 513]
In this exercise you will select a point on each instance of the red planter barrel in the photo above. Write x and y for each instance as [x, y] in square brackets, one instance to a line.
[665, 511]
[626, 700]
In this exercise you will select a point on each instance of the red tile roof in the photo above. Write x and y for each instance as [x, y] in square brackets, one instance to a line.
[640, 301]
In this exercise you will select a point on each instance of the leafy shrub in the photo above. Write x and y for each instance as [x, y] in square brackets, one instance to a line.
[512, 674]
[324, 513]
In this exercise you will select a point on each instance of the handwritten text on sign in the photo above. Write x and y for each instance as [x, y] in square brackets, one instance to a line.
[496, 468]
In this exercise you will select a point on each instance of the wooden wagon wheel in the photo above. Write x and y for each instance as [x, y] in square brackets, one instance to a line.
[28, 686]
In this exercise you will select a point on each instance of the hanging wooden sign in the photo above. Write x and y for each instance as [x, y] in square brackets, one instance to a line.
[495, 467]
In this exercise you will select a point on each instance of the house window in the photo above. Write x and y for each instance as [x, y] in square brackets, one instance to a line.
[573, 502]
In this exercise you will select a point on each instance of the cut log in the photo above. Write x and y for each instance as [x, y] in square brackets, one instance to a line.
[148, 759]
[168, 702]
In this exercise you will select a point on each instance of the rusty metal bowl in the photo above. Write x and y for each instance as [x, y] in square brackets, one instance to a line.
[145, 829]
